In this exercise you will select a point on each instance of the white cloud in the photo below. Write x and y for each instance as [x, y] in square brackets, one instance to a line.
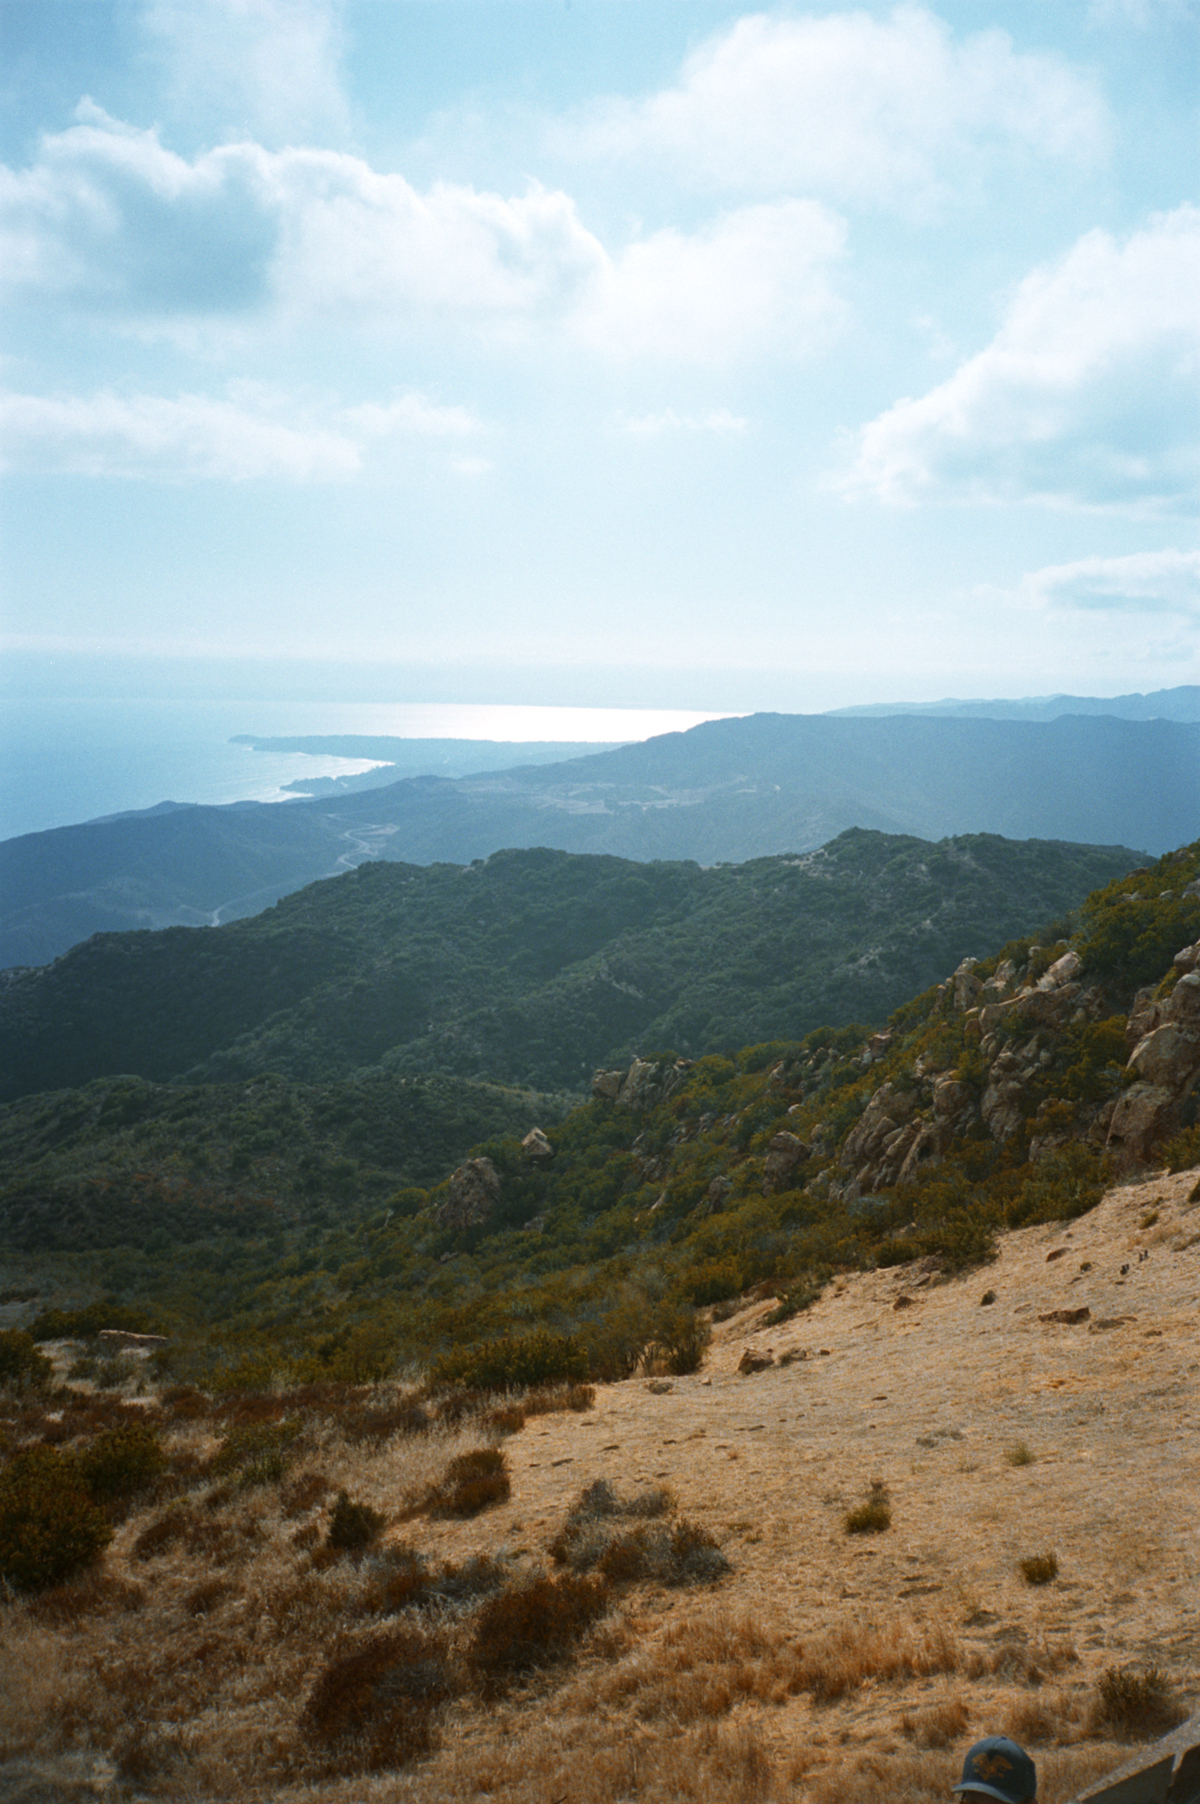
[188, 438]
[412, 414]
[111, 219]
[1162, 582]
[851, 106]
[653, 425]
[267, 68]
[1086, 396]
[755, 277]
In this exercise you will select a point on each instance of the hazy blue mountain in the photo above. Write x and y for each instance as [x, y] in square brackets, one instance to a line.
[1182, 703]
[724, 792]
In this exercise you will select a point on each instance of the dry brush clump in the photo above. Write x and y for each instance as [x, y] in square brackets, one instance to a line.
[627, 1541]
[1135, 1703]
[376, 1705]
[874, 1515]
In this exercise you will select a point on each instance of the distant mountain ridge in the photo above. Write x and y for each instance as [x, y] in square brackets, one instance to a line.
[1181, 703]
[723, 792]
[534, 967]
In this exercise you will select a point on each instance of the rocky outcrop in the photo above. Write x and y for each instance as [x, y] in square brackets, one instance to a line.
[646, 1083]
[1165, 1061]
[717, 1194]
[784, 1154]
[536, 1147]
[471, 1195]
[1015, 1017]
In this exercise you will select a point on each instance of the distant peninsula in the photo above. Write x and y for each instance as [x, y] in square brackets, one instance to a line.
[397, 758]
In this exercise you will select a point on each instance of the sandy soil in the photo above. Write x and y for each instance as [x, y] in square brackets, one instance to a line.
[913, 1380]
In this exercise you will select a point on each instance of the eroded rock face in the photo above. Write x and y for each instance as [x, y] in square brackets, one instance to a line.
[1166, 1063]
[784, 1153]
[646, 1083]
[1140, 1117]
[471, 1195]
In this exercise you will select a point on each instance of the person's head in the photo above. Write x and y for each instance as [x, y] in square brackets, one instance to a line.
[997, 1769]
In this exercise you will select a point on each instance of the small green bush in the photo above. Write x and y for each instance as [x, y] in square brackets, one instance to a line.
[1020, 1454]
[121, 1461]
[50, 1525]
[22, 1365]
[256, 1454]
[514, 1365]
[352, 1525]
[679, 1343]
[1039, 1568]
[1183, 1152]
[873, 1516]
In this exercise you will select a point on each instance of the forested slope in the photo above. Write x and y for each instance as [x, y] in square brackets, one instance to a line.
[534, 967]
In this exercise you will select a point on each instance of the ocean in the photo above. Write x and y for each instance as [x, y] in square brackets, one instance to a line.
[63, 761]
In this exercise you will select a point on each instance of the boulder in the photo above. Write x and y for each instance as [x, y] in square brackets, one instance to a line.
[1000, 1104]
[1061, 971]
[751, 1362]
[784, 1153]
[646, 1083]
[1170, 1056]
[716, 1194]
[953, 1107]
[471, 1195]
[536, 1147]
[1142, 1115]
[967, 987]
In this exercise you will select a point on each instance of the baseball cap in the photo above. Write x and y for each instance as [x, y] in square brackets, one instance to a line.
[999, 1769]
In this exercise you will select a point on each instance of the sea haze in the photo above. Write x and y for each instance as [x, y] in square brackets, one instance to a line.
[71, 760]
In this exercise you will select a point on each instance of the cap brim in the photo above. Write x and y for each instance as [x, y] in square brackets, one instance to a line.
[989, 1791]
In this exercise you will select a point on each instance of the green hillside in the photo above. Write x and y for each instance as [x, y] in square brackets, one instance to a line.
[534, 967]
[1010, 1092]
[726, 791]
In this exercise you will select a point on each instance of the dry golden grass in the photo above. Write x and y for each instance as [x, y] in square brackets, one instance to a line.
[824, 1669]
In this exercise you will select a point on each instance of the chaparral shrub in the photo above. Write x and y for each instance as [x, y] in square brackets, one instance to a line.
[513, 1365]
[1135, 1702]
[473, 1482]
[376, 1705]
[352, 1525]
[22, 1365]
[535, 1625]
[50, 1525]
[121, 1461]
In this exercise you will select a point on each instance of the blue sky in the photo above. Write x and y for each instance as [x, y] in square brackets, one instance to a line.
[600, 352]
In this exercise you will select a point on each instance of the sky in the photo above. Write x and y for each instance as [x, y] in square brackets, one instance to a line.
[604, 353]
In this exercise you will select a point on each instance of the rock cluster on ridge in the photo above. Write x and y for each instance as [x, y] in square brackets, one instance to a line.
[1015, 1019]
